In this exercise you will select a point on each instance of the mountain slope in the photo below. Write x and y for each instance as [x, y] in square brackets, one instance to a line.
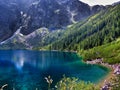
[35, 14]
[99, 29]
[110, 52]
[9, 19]
[57, 14]
[38, 38]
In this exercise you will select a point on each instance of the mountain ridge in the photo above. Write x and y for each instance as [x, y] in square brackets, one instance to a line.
[77, 33]
[34, 14]
[98, 29]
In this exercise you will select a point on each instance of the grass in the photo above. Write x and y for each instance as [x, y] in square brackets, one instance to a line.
[109, 52]
[74, 84]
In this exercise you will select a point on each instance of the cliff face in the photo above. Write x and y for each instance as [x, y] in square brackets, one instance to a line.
[55, 14]
[9, 18]
[34, 14]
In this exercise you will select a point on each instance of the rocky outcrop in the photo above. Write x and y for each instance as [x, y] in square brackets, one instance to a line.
[96, 61]
[116, 69]
[34, 14]
[56, 14]
[9, 19]
[10, 16]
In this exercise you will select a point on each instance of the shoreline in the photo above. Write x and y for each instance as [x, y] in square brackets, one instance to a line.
[98, 61]
[107, 78]
[106, 82]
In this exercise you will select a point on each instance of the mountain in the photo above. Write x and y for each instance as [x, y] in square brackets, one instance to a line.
[40, 37]
[99, 29]
[35, 14]
[56, 14]
[116, 3]
[9, 19]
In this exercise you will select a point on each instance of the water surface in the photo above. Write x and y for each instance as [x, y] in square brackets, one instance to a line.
[25, 70]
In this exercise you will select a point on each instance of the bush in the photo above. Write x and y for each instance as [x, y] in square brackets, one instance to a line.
[75, 84]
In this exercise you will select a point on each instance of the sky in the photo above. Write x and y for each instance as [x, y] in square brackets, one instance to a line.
[99, 2]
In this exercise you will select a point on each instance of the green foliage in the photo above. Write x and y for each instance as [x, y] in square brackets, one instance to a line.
[48, 39]
[97, 30]
[109, 52]
[92, 38]
[116, 83]
[75, 84]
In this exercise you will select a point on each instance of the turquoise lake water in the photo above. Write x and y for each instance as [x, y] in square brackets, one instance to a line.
[26, 70]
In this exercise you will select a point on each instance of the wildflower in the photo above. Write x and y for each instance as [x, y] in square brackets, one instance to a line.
[49, 81]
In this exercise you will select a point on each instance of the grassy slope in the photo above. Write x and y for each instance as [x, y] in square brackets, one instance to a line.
[109, 52]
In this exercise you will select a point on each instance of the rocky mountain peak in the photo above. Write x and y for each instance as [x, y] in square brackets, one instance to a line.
[34, 14]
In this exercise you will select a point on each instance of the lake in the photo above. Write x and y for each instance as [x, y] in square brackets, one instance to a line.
[26, 70]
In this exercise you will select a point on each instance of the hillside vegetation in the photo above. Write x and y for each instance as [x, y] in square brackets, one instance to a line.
[97, 30]
[91, 38]
[109, 52]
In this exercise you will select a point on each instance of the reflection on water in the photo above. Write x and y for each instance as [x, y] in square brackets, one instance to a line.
[18, 59]
[25, 70]
[41, 60]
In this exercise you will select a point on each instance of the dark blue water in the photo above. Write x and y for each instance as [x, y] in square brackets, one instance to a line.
[26, 70]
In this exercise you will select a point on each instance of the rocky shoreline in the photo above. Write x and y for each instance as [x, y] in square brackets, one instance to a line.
[115, 70]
